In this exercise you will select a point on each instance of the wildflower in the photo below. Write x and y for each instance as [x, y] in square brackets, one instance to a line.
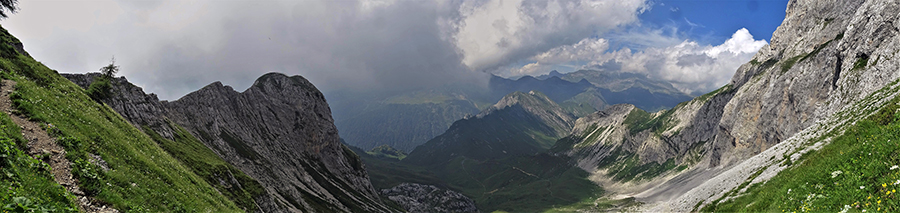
[883, 185]
[862, 187]
[895, 167]
[845, 209]
[898, 182]
[836, 173]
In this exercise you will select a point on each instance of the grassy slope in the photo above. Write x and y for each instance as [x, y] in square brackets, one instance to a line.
[27, 182]
[143, 177]
[856, 171]
[518, 184]
[205, 163]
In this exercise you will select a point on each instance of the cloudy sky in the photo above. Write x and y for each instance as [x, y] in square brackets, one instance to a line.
[173, 47]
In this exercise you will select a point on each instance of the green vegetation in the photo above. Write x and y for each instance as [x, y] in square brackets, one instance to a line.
[387, 151]
[100, 87]
[142, 176]
[603, 204]
[515, 184]
[639, 120]
[27, 181]
[724, 89]
[861, 62]
[787, 64]
[8, 6]
[624, 166]
[857, 171]
[206, 164]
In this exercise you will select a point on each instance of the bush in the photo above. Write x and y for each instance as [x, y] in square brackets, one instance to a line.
[99, 89]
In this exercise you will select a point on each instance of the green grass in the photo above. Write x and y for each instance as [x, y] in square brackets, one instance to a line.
[143, 177]
[623, 166]
[386, 151]
[603, 204]
[724, 89]
[502, 184]
[639, 120]
[789, 63]
[27, 182]
[854, 171]
[519, 184]
[206, 164]
[860, 63]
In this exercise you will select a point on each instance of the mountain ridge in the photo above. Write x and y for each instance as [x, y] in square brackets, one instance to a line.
[255, 130]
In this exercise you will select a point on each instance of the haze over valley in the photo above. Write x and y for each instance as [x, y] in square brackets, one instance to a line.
[449, 106]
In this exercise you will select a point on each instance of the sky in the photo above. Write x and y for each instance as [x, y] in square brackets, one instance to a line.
[172, 47]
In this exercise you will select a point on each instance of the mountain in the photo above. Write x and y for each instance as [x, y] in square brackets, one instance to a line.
[497, 158]
[553, 73]
[61, 151]
[822, 91]
[519, 124]
[631, 88]
[409, 119]
[279, 132]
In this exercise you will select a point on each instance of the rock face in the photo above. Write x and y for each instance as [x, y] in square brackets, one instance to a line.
[826, 56]
[418, 198]
[279, 132]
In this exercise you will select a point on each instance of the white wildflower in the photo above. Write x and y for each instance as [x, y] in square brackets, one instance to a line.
[836, 173]
[862, 187]
[895, 167]
[898, 182]
[845, 209]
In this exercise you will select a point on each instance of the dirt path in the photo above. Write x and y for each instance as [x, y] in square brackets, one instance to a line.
[40, 143]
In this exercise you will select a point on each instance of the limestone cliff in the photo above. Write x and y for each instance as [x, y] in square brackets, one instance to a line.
[279, 132]
[825, 57]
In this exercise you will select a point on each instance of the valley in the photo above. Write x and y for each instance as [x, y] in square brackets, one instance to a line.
[810, 123]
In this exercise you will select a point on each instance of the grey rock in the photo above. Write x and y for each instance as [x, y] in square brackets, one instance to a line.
[279, 132]
[826, 56]
[417, 198]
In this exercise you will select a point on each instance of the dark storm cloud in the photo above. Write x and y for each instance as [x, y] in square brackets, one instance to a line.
[336, 44]
[174, 47]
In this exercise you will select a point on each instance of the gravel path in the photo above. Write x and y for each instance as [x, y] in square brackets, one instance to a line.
[40, 143]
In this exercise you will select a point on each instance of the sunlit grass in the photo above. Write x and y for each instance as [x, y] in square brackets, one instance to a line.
[857, 172]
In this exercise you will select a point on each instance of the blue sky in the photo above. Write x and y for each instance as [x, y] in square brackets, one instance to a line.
[716, 20]
[666, 40]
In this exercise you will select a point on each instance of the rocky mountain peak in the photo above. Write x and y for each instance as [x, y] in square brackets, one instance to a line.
[279, 132]
[538, 105]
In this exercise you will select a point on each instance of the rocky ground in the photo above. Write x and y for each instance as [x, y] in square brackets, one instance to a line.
[427, 198]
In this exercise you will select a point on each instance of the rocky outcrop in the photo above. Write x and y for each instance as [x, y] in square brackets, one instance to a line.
[539, 106]
[418, 198]
[279, 132]
[825, 57]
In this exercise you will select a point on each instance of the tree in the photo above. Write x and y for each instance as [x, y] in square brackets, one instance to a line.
[8, 7]
[100, 88]
[109, 71]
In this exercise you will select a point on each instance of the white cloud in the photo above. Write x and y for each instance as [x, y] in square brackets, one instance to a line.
[496, 32]
[586, 49]
[739, 43]
[690, 67]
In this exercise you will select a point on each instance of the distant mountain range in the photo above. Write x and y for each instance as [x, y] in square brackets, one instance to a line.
[498, 158]
[410, 119]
